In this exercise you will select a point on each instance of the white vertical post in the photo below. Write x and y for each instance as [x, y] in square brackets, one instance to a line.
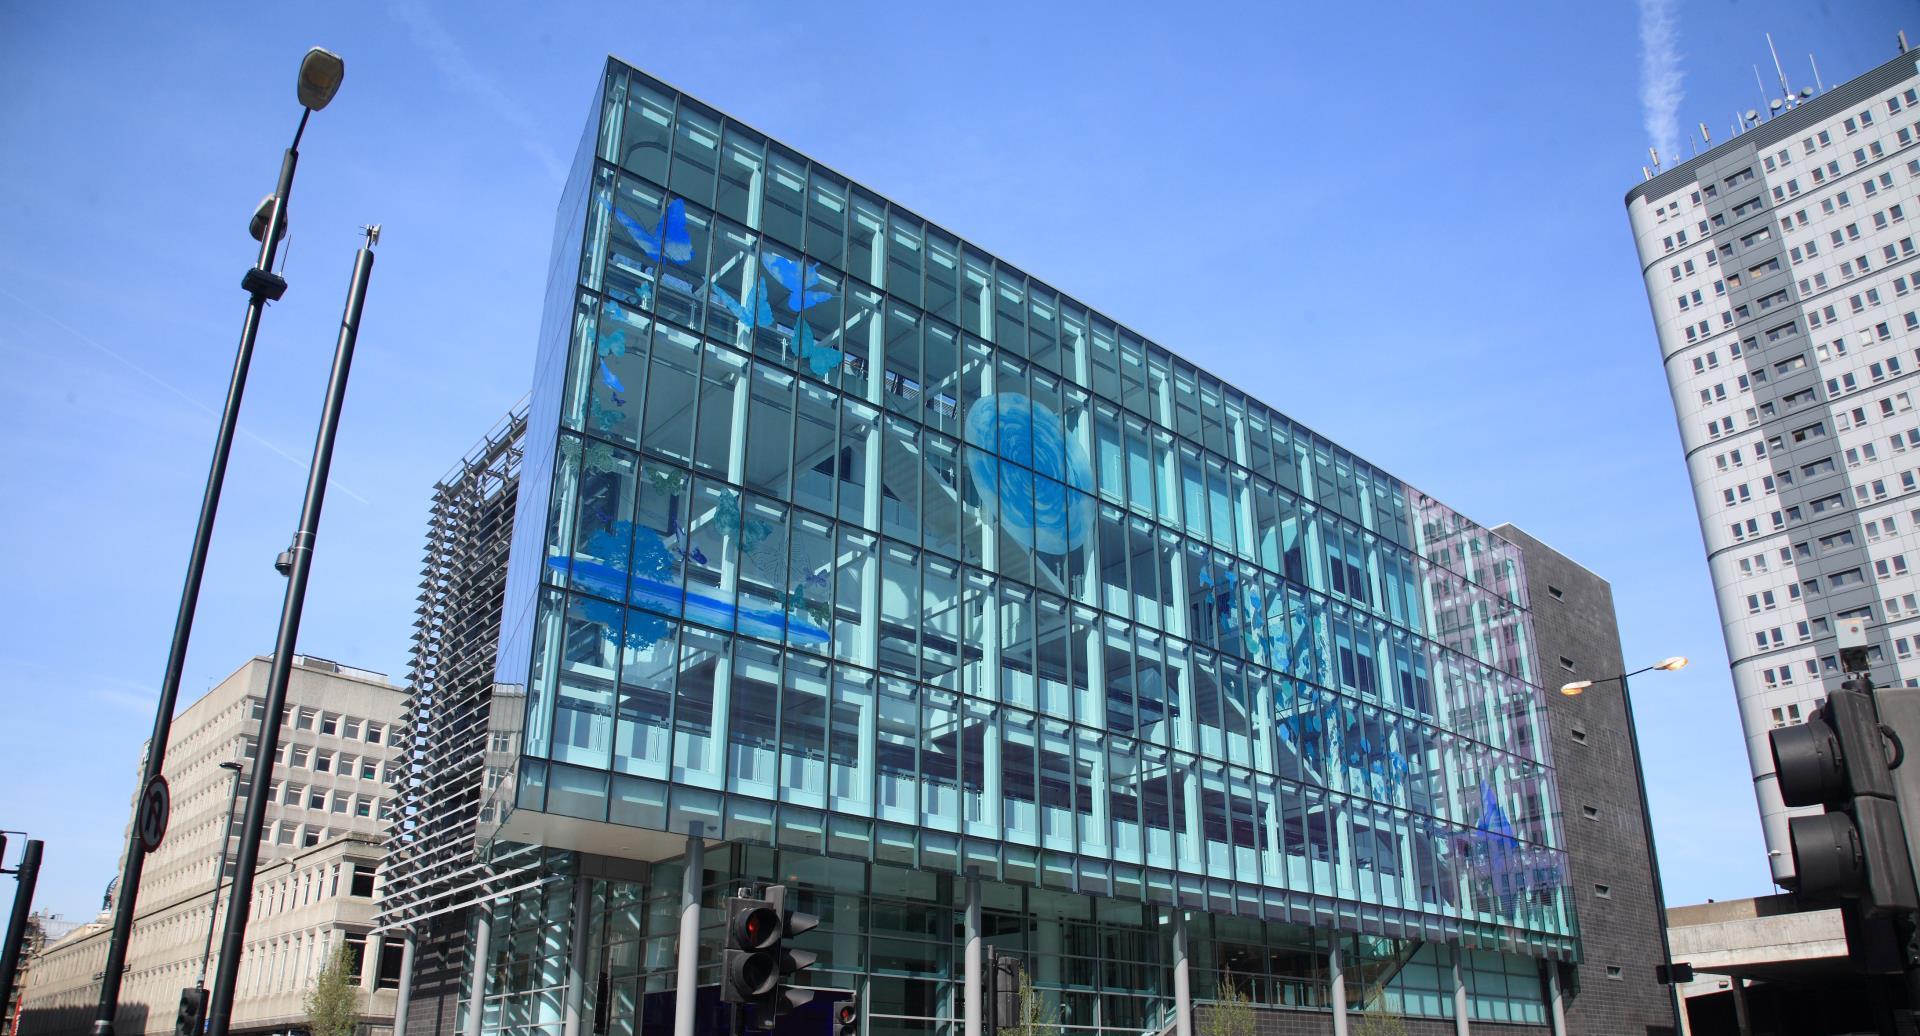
[482, 936]
[976, 991]
[403, 998]
[1182, 977]
[687, 977]
[1337, 986]
[1556, 1000]
[1460, 994]
[370, 963]
[577, 955]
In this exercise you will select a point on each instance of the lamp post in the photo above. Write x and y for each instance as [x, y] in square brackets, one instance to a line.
[295, 563]
[320, 74]
[1674, 664]
[219, 874]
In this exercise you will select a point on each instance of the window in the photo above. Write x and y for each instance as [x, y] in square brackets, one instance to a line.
[1566, 663]
[1614, 973]
[329, 723]
[1578, 734]
[350, 728]
[1603, 891]
[316, 799]
[362, 881]
[369, 770]
[373, 733]
[296, 755]
[1590, 812]
[323, 762]
[303, 720]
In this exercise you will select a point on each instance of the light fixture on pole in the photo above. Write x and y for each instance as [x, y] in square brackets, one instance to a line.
[1670, 665]
[320, 74]
[219, 872]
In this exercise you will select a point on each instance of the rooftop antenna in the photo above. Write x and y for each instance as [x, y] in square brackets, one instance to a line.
[1785, 90]
[1704, 135]
[1820, 87]
[1760, 84]
[1646, 173]
[1655, 154]
[1901, 35]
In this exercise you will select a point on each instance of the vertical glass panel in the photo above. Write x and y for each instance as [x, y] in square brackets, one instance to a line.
[642, 737]
[901, 471]
[752, 721]
[672, 388]
[940, 761]
[762, 570]
[904, 384]
[941, 495]
[900, 609]
[603, 537]
[866, 239]
[646, 131]
[720, 442]
[783, 209]
[827, 218]
[710, 555]
[897, 749]
[850, 737]
[741, 173]
[942, 380]
[856, 568]
[1019, 777]
[769, 440]
[583, 710]
[1010, 312]
[803, 732]
[810, 597]
[696, 155]
[943, 276]
[816, 448]
[613, 373]
[904, 257]
[976, 294]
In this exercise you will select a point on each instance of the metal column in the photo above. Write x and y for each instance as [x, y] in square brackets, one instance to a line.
[1337, 987]
[1460, 1004]
[577, 955]
[403, 997]
[687, 976]
[976, 990]
[1556, 1000]
[482, 936]
[1182, 977]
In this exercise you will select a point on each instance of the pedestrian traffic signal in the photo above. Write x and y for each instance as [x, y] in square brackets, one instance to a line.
[1857, 849]
[750, 964]
[193, 1010]
[846, 1017]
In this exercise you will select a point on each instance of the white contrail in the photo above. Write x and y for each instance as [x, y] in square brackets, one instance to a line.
[1660, 91]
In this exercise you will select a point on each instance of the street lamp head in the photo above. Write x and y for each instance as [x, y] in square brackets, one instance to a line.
[320, 74]
[1571, 689]
[1674, 664]
[257, 227]
[231, 765]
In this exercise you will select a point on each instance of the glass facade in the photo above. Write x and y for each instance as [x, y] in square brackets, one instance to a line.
[863, 547]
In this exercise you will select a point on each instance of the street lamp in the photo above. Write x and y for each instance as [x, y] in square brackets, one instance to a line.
[320, 74]
[1670, 665]
[219, 873]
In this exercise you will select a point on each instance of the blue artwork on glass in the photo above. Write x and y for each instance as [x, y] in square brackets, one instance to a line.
[821, 360]
[1039, 511]
[644, 568]
[614, 387]
[670, 240]
[798, 281]
[753, 312]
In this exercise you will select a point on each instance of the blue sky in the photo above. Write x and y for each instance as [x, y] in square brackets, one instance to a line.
[1413, 213]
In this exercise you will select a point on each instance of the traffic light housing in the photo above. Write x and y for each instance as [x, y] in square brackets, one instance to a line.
[1003, 991]
[1837, 759]
[757, 968]
[193, 1012]
[846, 1016]
[750, 965]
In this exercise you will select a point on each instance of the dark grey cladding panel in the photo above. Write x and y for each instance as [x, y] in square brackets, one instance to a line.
[1785, 126]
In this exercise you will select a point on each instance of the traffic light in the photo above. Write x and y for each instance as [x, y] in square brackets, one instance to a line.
[757, 967]
[750, 966]
[1857, 849]
[846, 1017]
[193, 1009]
[784, 998]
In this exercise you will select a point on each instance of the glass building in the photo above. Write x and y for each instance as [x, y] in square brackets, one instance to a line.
[850, 556]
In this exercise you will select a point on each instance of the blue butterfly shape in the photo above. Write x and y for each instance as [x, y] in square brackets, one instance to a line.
[754, 312]
[613, 382]
[820, 359]
[671, 241]
[797, 280]
[614, 344]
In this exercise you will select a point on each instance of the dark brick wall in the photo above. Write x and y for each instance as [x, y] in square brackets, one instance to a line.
[439, 960]
[1273, 1021]
[1619, 930]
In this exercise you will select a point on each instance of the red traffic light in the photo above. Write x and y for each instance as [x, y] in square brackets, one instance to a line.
[845, 1014]
[757, 928]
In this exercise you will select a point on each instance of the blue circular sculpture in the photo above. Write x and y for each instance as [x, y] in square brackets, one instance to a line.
[1033, 510]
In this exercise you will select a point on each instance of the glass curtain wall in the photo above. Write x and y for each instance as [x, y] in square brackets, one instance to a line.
[862, 542]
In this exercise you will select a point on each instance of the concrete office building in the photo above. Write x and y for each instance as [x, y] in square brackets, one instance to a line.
[1781, 269]
[319, 858]
[1615, 988]
[846, 554]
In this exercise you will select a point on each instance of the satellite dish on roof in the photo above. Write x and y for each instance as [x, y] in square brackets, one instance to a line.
[1752, 116]
[1775, 106]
